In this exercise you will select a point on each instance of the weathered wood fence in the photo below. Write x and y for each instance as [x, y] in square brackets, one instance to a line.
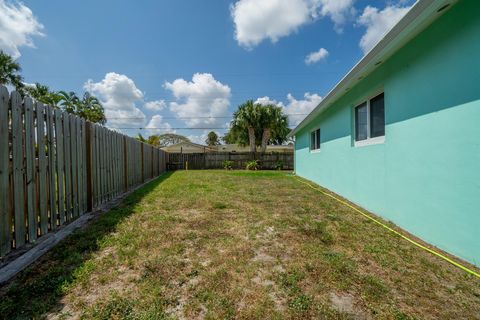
[215, 160]
[54, 167]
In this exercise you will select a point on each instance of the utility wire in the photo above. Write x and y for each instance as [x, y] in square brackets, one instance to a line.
[199, 117]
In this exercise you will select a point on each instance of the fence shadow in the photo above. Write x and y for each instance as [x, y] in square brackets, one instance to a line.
[37, 291]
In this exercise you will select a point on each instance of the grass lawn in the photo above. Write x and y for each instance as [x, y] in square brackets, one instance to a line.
[246, 245]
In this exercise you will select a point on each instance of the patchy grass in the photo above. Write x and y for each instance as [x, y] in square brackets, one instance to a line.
[237, 244]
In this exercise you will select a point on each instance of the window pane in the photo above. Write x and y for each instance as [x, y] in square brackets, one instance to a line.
[317, 140]
[377, 116]
[361, 122]
[312, 140]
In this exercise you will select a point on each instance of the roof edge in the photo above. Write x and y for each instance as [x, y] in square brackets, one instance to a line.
[420, 16]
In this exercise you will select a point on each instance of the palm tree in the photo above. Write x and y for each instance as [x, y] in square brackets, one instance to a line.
[43, 94]
[272, 121]
[140, 138]
[9, 71]
[69, 101]
[247, 117]
[91, 109]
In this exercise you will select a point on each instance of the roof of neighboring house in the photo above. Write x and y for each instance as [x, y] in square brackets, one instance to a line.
[238, 148]
[189, 144]
[420, 16]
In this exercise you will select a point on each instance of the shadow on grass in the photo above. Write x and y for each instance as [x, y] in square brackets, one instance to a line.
[37, 291]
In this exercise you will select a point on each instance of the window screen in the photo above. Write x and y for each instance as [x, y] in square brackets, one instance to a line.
[377, 116]
[317, 139]
[312, 140]
[361, 122]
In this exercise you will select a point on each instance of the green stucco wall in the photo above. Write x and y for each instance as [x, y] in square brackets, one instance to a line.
[425, 177]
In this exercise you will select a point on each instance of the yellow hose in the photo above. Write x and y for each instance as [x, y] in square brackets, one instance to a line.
[392, 230]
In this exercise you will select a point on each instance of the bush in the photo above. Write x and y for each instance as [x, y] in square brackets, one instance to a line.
[252, 165]
[227, 164]
[279, 165]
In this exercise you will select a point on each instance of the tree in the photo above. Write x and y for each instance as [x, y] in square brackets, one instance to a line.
[212, 139]
[140, 138]
[69, 101]
[91, 109]
[163, 140]
[43, 94]
[246, 119]
[10, 71]
[258, 125]
[274, 123]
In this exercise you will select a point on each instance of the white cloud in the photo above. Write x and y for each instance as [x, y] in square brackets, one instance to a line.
[316, 56]
[378, 23]
[157, 125]
[266, 101]
[200, 138]
[157, 105]
[297, 110]
[119, 97]
[17, 27]
[199, 99]
[338, 10]
[257, 20]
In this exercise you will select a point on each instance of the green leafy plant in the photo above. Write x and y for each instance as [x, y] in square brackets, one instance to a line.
[279, 165]
[252, 165]
[227, 164]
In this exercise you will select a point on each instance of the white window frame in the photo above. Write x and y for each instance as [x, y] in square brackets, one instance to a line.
[369, 141]
[320, 142]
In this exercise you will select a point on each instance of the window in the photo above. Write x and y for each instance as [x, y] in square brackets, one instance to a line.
[370, 120]
[315, 140]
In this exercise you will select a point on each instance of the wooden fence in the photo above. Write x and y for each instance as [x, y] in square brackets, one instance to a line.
[215, 160]
[55, 166]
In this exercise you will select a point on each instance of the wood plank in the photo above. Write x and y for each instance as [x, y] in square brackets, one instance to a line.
[78, 136]
[5, 221]
[51, 168]
[84, 174]
[60, 165]
[42, 169]
[97, 165]
[18, 169]
[32, 220]
[68, 166]
[73, 143]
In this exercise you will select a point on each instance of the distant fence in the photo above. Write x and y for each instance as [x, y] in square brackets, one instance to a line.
[215, 160]
[55, 166]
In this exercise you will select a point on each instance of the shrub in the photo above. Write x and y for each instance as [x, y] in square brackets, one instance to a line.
[252, 165]
[227, 164]
[279, 165]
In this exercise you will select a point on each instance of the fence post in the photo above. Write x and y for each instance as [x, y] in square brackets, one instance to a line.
[89, 164]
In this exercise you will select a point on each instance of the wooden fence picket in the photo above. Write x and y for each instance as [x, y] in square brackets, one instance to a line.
[18, 169]
[68, 166]
[42, 169]
[51, 169]
[60, 165]
[5, 222]
[30, 169]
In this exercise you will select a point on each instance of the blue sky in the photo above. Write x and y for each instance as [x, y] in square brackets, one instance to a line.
[140, 57]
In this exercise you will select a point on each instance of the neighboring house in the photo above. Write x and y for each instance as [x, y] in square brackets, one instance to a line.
[188, 147]
[238, 148]
[400, 134]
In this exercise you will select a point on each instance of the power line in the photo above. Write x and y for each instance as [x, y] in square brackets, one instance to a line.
[199, 117]
[170, 128]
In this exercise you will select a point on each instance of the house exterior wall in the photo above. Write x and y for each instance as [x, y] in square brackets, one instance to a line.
[425, 177]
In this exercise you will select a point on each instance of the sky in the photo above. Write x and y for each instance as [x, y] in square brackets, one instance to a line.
[184, 66]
